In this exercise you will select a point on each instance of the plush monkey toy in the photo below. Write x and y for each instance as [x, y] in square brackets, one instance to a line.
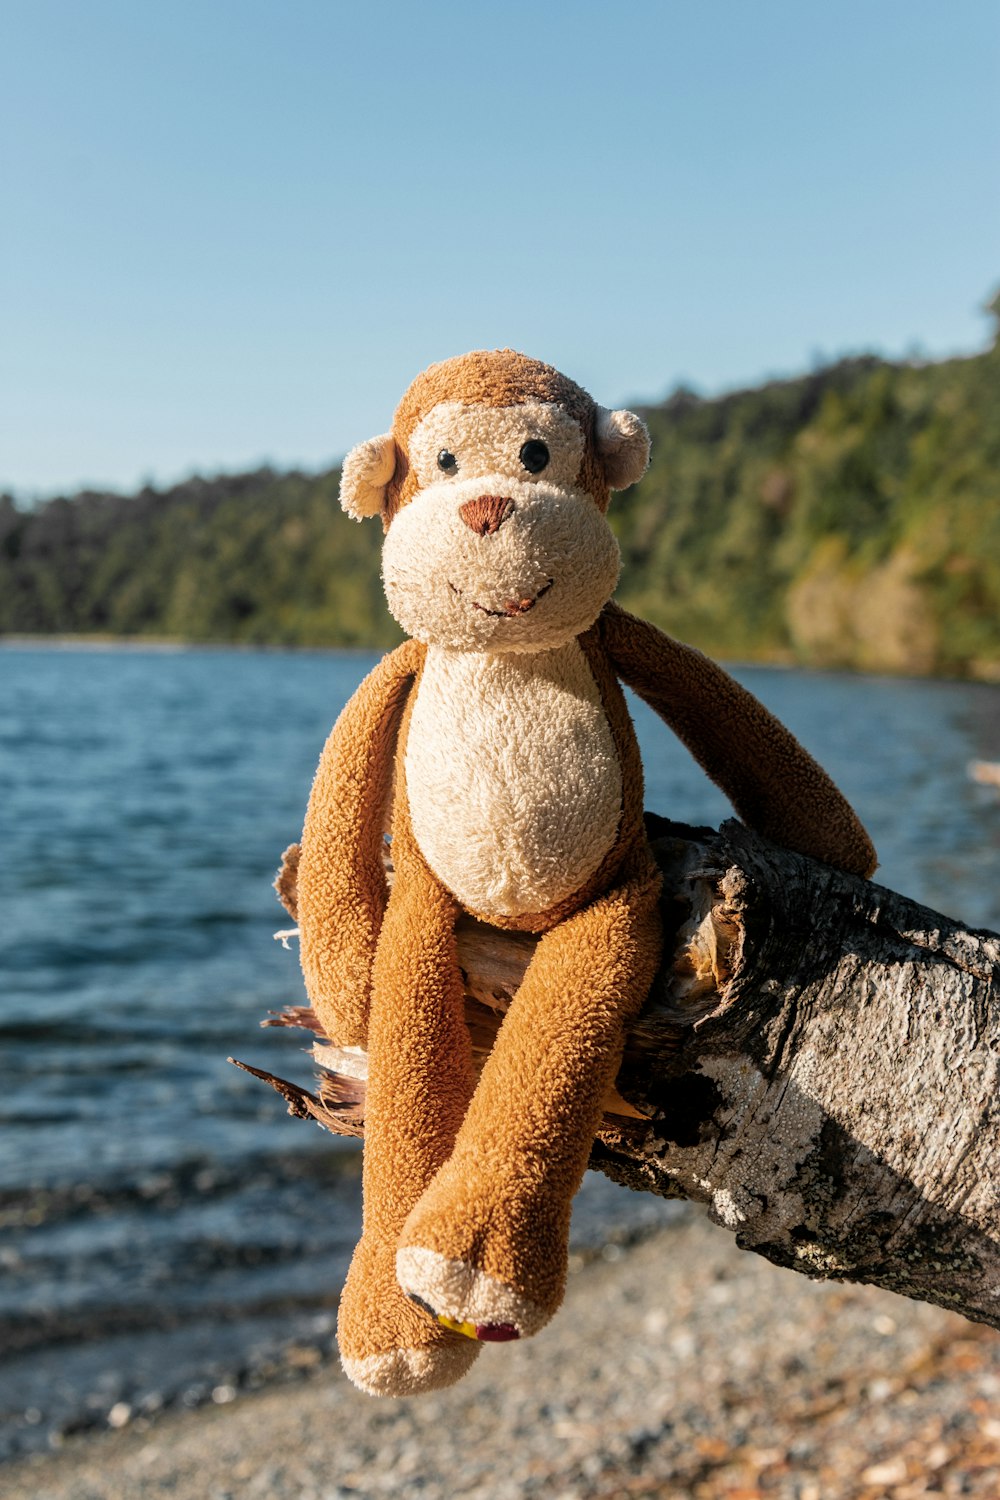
[500, 733]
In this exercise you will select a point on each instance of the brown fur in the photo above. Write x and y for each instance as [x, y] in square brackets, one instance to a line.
[341, 888]
[774, 785]
[502, 1200]
[417, 1032]
[467, 1189]
[287, 879]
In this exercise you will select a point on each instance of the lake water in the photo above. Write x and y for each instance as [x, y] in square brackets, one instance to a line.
[166, 1231]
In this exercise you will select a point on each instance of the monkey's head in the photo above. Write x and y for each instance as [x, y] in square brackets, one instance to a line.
[493, 487]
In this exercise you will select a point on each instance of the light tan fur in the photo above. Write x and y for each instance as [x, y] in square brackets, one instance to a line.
[487, 440]
[462, 1294]
[623, 444]
[365, 476]
[514, 784]
[518, 797]
[448, 585]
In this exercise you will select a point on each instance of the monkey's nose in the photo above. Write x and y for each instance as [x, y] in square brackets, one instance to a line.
[487, 513]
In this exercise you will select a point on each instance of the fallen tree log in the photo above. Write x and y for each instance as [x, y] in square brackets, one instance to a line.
[818, 1062]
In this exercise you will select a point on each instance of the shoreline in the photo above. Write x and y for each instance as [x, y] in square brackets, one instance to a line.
[679, 1367]
[980, 674]
[170, 645]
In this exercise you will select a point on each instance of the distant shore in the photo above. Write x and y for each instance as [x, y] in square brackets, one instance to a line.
[680, 1367]
[987, 672]
[84, 642]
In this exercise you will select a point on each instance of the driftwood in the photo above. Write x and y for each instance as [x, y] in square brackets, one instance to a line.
[819, 1062]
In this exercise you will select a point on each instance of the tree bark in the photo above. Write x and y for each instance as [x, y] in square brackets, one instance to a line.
[818, 1061]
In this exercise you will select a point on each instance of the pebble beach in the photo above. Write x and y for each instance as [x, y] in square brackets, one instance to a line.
[679, 1366]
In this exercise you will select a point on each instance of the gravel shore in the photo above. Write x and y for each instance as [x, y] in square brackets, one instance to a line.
[679, 1368]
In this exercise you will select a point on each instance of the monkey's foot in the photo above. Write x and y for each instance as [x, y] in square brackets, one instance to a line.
[410, 1372]
[466, 1300]
[387, 1347]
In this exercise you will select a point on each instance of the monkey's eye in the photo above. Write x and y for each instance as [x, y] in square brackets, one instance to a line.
[534, 456]
[447, 462]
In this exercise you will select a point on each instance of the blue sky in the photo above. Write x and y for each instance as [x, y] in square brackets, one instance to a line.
[234, 230]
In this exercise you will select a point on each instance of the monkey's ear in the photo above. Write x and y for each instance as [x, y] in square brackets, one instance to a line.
[623, 443]
[367, 470]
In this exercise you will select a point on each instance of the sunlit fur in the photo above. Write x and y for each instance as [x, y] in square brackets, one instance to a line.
[555, 558]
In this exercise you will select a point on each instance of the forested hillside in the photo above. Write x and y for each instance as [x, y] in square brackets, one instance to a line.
[260, 557]
[850, 517]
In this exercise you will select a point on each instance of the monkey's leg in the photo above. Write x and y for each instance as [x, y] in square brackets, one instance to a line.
[485, 1249]
[419, 1081]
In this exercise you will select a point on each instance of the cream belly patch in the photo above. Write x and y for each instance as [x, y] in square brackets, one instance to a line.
[513, 780]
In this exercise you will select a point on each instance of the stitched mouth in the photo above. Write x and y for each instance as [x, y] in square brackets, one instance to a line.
[513, 607]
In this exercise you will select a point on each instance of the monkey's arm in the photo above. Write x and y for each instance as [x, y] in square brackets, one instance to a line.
[773, 783]
[341, 881]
